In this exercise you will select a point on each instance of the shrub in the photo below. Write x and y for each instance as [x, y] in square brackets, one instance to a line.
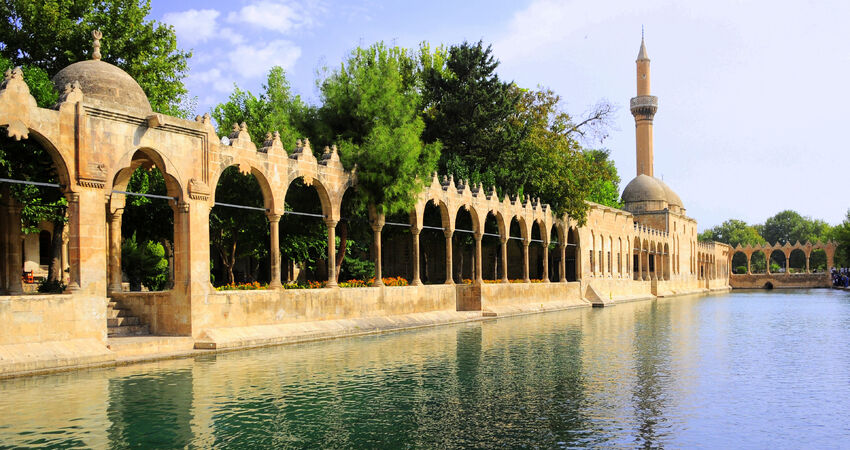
[741, 269]
[51, 287]
[144, 263]
[242, 287]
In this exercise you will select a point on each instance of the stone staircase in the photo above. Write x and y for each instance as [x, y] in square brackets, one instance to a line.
[121, 322]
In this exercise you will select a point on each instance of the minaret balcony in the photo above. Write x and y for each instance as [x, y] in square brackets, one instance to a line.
[644, 105]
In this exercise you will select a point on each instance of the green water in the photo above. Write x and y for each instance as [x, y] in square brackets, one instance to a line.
[760, 369]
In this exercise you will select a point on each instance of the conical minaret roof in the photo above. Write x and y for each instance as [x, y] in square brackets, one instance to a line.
[642, 56]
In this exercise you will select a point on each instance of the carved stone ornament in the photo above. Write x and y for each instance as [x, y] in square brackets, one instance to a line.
[198, 190]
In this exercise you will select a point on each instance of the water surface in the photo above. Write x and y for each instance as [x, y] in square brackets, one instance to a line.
[751, 369]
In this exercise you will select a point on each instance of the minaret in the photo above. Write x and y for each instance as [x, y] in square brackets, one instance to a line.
[643, 108]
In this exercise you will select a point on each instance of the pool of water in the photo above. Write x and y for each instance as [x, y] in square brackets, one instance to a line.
[767, 369]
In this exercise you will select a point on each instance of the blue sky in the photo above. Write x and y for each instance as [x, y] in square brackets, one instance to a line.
[753, 95]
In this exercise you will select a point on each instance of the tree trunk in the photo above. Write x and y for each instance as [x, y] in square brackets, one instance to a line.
[54, 270]
[343, 244]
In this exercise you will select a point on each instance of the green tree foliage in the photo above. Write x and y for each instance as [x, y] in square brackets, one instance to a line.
[790, 226]
[149, 219]
[276, 109]
[733, 232]
[144, 263]
[373, 109]
[52, 34]
[468, 108]
[841, 235]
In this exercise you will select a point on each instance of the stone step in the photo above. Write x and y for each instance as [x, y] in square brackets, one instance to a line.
[115, 313]
[136, 347]
[112, 304]
[128, 330]
[122, 321]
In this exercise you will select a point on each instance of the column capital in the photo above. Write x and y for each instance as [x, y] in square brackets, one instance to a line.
[330, 222]
[274, 217]
[448, 232]
[415, 230]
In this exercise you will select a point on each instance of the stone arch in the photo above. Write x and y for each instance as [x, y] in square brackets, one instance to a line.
[797, 260]
[62, 163]
[272, 205]
[666, 261]
[572, 260]
[778, 257]
[329, 209]
[740, 262]
[538, 251]
[143, 156]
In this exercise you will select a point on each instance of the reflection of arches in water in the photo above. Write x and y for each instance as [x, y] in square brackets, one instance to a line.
[768, 285]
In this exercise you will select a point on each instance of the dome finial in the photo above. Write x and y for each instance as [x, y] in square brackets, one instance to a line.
[97, 35]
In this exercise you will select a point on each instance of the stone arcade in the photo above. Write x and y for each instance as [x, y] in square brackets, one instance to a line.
[103, 128]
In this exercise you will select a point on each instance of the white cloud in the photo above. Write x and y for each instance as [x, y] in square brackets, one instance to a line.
[193, 26]
[212, 78]
[282, 16]
[252, 62]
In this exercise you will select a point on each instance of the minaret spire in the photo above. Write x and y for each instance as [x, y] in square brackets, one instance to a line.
[643, 108]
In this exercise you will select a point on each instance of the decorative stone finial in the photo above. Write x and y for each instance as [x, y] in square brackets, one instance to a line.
[97, 35]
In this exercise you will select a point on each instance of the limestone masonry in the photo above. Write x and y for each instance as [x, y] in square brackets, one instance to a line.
[103, 128]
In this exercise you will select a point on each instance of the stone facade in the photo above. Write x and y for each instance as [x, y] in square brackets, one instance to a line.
[101, 130]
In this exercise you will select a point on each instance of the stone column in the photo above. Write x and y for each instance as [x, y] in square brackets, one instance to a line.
[767, 262]
[563, 266]
[750, 272]
[504, 246]
[274, 250]
[479, 278]
[449, 269]
[331, 224]
[14, 269]
[87, 247]
[787, 264]
[808, 269]
[115, 251]
[545, 262]
[830, 258]
[376, 235]
[640, 265]
[414, 233]
[525, 278]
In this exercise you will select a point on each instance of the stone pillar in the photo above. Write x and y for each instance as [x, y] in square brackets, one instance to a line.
[504, 246]
[767, 262]
[331, 224]
[449, 269]
[274, 250]
[414, 233]
[14, 269]
[787, 264]
[750, 272]
[808, 269]
[640, 266]
[376, 235]
[830, 258]
[545, 262]
[563, 266]
[115, 251]
[525, 244]
[479, 278]
[87, 246]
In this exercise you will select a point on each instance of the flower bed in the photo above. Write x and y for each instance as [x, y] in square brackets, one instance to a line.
[533, 280]
[255, 286]
[389, 281]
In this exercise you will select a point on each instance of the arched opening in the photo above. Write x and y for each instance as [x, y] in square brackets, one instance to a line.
[555, 242]
[571, 255]
[739, 263]
[777, 261]
[515, 253]
[797, 261]
[768, 285]
[758, 264]
[651, 265]
[303, 237]
[817, 261]
[535, 253]
[491, 252]
[28, 210]
[146, 224]
[355, 256]
[637, 263]
[463, 247]
[432, 243]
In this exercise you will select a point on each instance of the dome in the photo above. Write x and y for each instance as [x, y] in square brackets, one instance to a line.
[672, 198]
[644, 188]
[105, 85]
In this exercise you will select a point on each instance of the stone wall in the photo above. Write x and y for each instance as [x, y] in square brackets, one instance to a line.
[781, 280]
[45, 318]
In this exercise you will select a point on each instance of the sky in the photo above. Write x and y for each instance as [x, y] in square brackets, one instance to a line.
[753, 95]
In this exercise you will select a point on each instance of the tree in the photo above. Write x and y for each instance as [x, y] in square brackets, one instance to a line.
[840, 234]
[733, 232]
[373, 108]
[145, 264]
[467, 108]
[790, 226]
[52, 34]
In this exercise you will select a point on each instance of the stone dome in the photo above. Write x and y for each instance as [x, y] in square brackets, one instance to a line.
[644, 188]
[106, 86]
[672, 198]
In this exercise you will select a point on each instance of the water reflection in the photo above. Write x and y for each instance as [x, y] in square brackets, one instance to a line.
[645, 374]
